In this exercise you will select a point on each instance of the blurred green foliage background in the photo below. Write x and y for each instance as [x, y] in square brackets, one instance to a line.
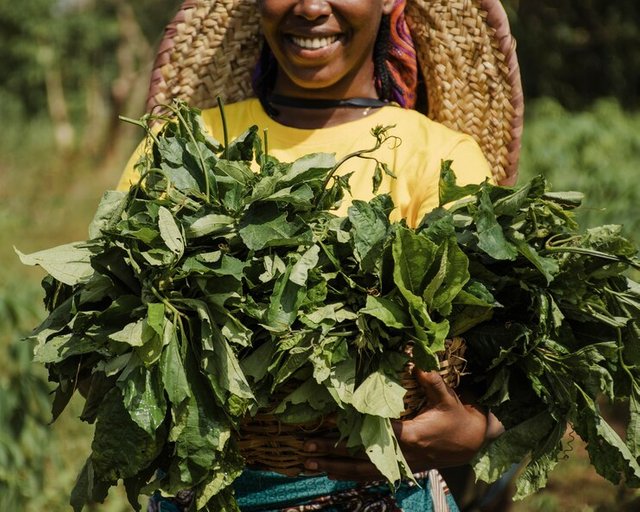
[68, 68]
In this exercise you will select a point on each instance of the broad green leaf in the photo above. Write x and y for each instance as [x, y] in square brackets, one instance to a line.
[143, 395]
[133, 334]
[284, 303]
[238, 172]
[256, 364]
[210, 224]
[342, 382]
[110, 208]
[413, 255]
[120, 456]
[447, 188]
[170, 232]
[633, 428]
[491, 237]
[174, 377]
[299, 196]
[301, 268]
[155, 317]
[203, 432]
[449, 280]
[548, 267]
[389, 312]
[70, 263]
[611, 457]
[61, 347]
[543, 460]
[219, 360]
[309, 167]
[266, 226]
[379, 395]
[230, 266]
[370, 228]
[310, 393]
[512, 447]
[382, 448]
[83, 489]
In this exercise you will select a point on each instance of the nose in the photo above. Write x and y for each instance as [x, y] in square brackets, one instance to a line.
[312, 9]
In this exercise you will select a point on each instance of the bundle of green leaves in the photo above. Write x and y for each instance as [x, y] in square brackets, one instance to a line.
[211, 284]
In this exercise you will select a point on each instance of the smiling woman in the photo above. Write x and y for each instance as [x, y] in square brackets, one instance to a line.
[324, 74]
[323, 49]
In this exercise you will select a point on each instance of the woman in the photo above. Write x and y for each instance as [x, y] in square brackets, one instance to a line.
[329, 71]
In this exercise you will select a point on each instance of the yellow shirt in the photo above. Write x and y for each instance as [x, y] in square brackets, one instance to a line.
[415, 160]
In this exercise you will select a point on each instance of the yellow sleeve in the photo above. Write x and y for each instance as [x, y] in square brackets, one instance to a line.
[130, 175]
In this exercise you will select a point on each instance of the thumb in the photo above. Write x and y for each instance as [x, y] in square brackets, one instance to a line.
[434, 387]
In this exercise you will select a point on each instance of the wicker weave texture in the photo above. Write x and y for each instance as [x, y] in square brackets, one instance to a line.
[269, 444]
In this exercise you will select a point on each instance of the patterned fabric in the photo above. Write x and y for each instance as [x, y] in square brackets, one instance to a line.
[402, 61]
[375, 497]
[429, 493]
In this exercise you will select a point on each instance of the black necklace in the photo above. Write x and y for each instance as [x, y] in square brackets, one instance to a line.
[290, 101]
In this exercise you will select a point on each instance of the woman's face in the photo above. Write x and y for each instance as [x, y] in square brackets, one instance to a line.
[324, 48]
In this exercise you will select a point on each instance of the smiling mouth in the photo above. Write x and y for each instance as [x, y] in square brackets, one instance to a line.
[313, 43]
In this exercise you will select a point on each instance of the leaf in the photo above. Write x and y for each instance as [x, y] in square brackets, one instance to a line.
[266, 227]
[491, 237]
[210, 224]
[449, 280]
[109, 210]
[379, 395]
[548, 267]
[633, 428]
[284, 303]
[413, 255]
[70, 263]
[609, 455]
[388, 311]
[170, 232]
[543, 460]
[370, 228]
[342, 382]
[301, 268]
[512, 447]
[143, 395]
[125, 454]
[299, 196]
[219, 361]
[155, 317]
[83, 489]
[382, 448]
[174, 377]
[256, 364]
[133, 334]
[447, 188]
[307, 168]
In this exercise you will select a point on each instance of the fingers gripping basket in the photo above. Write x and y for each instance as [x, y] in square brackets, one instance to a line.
[269, 444]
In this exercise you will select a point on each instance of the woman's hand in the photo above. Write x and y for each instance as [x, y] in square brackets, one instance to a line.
[446, 432]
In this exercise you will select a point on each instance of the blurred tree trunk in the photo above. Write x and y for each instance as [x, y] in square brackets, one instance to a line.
[63, 129]
[128, 91]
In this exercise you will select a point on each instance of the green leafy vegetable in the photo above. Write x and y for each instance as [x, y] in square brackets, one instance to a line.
[209, 287]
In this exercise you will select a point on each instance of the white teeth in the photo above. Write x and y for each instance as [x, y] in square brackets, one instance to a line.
[313, 43]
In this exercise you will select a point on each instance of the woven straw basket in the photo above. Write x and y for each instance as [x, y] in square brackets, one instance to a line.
[465, 50]
[269, 444]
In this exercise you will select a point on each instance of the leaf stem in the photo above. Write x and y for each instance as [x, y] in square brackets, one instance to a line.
[225, 130]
